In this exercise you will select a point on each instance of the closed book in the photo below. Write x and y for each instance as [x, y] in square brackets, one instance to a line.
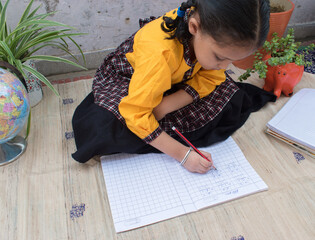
[295, 122]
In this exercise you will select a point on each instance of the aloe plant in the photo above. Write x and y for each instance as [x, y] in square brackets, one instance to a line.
[32, 33]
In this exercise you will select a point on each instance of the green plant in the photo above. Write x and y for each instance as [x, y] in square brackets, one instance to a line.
[32, 33]
[281, 51]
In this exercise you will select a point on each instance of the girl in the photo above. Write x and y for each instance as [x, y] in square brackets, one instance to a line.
[171, 72]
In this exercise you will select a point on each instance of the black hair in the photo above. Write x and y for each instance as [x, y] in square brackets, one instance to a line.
[238, 22]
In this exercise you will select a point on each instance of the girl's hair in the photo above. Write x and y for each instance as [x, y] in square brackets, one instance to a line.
[237, 22]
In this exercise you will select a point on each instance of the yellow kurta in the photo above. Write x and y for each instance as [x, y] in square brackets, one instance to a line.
[158, 64]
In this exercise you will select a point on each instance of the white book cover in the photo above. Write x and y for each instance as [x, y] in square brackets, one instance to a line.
[296, 119]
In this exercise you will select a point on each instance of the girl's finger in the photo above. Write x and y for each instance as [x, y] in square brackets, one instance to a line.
[205, 163]
[204, 169]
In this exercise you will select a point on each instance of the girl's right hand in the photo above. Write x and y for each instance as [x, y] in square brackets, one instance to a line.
[196, 163]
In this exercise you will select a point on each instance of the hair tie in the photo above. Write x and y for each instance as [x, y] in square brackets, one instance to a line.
[180, 13]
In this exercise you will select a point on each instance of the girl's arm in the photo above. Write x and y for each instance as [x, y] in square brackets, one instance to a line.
[171, 103]
[176, 150]
[170, 146]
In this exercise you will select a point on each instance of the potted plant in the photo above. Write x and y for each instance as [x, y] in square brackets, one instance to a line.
[280, 15]
[280, 63]
[32, 33]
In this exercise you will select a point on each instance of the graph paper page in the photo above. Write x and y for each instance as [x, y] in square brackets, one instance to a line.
[148, 188]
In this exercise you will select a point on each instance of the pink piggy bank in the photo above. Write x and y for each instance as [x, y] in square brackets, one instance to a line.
[283, 78]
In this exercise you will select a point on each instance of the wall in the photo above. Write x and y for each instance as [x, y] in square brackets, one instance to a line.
[108, 23]
[303, 19]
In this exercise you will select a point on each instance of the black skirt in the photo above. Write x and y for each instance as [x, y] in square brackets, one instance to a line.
[97, 131]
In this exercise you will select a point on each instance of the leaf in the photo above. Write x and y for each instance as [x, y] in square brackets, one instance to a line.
[54, 59]
[75, 43]
[3, 24]
[28, 128]
[26, 12]
[37, 22]
[41, 77]
[43, 39]
[32, 33]
[7, 51]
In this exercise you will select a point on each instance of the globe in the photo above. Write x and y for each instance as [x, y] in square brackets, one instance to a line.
[14, 109]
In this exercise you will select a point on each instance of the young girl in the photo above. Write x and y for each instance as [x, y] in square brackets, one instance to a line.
[171, 72]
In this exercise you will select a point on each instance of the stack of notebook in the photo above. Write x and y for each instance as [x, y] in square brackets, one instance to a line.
[295, 122]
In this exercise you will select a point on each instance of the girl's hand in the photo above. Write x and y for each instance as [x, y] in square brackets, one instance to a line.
[196, 163]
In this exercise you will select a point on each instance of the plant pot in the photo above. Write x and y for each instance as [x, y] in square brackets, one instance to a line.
[34, 86]
[283, 78]
[278, 22]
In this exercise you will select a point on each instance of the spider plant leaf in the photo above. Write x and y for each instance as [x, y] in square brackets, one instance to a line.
[43, 39]
[65, 43]
[41, 77]
[3, 12]
[15, 40]
[54, 59]
[28, 128]
[26, 12]
[52, 44]
[34, 32]
[31, 17]
[8, 53]
[3, 23]
[39, 16]
[41, 22]
[75, 43]
[34, 12]
[3, 31]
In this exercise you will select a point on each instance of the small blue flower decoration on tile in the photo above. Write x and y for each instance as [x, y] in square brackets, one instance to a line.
[77, 211]
[69, 135]
[240, 237]
[298, 157]
[67, 101]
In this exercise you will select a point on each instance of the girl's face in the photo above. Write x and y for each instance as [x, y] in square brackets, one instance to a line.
[210, 54]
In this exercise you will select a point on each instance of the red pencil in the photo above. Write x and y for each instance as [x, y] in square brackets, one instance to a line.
[190, 144]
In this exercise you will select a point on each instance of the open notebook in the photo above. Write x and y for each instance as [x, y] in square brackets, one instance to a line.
[295, 122]
[148, 188]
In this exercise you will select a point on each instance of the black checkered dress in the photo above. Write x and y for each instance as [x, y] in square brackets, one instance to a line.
[112, 80]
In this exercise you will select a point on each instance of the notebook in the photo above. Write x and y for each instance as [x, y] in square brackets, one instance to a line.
[148, 188]
[294, 124]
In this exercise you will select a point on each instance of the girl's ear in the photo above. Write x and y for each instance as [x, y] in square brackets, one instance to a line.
[193, 25]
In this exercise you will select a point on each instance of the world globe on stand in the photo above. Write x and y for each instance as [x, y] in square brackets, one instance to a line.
[14, 111]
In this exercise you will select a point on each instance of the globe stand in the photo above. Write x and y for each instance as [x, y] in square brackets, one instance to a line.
[11, 150]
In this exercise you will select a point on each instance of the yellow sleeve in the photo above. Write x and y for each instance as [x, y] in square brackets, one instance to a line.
[151, 78]
[205, 81]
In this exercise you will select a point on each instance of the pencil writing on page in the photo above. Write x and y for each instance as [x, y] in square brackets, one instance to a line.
[191, 145]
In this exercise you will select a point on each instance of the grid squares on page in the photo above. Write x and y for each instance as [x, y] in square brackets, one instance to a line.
[143, 189]
[132, 197]
[230, 175]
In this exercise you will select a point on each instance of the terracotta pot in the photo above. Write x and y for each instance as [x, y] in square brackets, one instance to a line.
[278, 23]
[283, 78]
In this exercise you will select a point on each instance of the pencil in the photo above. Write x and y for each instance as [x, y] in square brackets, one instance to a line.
[190, 144]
